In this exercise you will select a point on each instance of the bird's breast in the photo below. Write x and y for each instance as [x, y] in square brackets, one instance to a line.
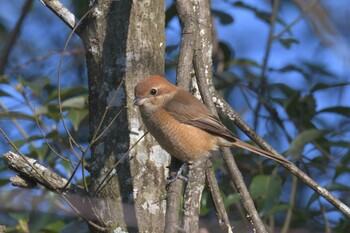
[185, 142]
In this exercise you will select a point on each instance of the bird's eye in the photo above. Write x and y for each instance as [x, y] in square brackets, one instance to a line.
[153, 92]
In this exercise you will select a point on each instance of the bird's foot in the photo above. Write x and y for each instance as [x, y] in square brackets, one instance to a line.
[178, 175]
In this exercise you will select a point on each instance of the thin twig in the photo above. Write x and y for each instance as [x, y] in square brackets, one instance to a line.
[263, 79]
[40, 58]
[302, 14]
[12, 38]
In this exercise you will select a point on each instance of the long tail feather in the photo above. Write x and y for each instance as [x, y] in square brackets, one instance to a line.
[246, 146]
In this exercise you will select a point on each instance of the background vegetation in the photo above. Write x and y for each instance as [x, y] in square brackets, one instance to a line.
[288, 79]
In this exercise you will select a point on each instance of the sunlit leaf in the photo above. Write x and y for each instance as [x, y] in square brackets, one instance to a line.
[298, 144]
[67, 93]
[76, 116]
[78, 102]
[231, 199]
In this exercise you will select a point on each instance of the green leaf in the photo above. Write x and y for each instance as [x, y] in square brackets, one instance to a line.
[266, 189]
[204, 209]
[54, 227]
[223, 17]
[285, 89]
[322, 86]
[17, 115]
[298, 144]
[231, 199]
[67, 93]
[76, 116]
[226, 50]
[318, 69]
[344, 111]
[36, 85]
[287, 43]
[263, 15]
[4, 93]
[244, 62]
[291, 68]
[39, 152]
[78, 102]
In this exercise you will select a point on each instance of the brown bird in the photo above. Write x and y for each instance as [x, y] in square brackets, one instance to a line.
[182, 124]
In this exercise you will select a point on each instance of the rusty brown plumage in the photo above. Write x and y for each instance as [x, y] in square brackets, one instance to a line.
[182, 124]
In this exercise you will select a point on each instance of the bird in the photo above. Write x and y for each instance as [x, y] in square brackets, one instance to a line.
[182, 124]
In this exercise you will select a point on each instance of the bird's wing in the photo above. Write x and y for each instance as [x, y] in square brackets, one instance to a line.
[186, 109]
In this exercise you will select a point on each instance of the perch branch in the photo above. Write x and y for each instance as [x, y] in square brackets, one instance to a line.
[202, 65]
[193, 195]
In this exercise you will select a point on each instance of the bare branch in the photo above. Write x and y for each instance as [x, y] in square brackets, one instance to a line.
[22, 182]
[224, 221]
[32, 170]
[61, 11]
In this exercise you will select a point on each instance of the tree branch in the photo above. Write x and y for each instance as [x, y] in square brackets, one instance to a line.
[31, 170]
[193, 195]
[233, 115]
[202, 64]
[221, 213]
[185, 10]
[61, 11]
[187, 19]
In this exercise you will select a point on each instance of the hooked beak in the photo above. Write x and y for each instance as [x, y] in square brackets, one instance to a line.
[137, 101]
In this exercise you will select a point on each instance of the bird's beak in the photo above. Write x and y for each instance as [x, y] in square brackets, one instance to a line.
[137, 101]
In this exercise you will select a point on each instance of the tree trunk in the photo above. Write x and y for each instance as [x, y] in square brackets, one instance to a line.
[124, 42]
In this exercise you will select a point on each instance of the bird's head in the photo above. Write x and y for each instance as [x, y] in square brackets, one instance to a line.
[151, 93]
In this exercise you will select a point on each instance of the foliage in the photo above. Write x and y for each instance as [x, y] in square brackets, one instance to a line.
[280, 101]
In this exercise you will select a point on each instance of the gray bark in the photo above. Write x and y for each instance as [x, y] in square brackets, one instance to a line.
[124, 42]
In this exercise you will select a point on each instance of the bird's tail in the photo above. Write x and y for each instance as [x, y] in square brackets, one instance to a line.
[246, 146]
